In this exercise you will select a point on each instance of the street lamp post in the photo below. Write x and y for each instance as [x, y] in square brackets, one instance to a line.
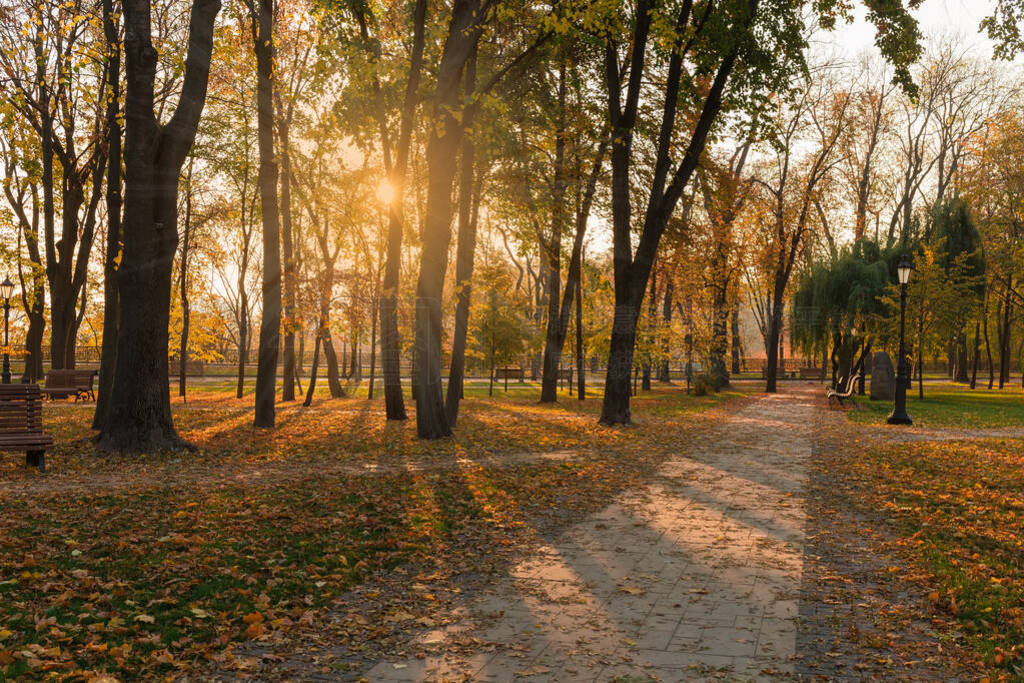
[899, 412]
[6, 290]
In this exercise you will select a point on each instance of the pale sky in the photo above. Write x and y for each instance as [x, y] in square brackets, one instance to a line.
[937, 18]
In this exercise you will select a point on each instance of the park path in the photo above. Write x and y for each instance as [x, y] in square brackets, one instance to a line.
[696, 573]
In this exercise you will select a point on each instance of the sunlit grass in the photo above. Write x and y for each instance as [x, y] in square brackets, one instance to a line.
[951, 405]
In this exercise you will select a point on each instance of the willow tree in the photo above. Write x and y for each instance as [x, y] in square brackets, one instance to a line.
[139, 410]
[705, 58]
[836, 299]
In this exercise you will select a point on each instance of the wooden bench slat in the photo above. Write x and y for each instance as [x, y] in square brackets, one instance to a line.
[21, 423]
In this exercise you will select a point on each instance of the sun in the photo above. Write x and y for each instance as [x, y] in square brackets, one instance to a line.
[386, 192]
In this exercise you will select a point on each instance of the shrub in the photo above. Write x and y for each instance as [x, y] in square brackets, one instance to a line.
[704, 384]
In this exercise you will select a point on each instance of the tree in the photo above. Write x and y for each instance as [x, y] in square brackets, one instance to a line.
[498, 328]
[468, 20]
[791, 183]
[750, 46]
[373, 34]
[262, 17]
[959, 252]
[56, 78]
[725, 190]
[139, 418]
[112, 252]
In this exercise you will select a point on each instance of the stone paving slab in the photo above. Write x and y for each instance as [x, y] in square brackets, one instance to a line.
[697, 575]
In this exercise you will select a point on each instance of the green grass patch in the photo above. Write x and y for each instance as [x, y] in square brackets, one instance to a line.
[950, 405]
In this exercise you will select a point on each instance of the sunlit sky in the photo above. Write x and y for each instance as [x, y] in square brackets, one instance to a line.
[937, 18]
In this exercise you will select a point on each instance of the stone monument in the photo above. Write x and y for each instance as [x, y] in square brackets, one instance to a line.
[883, 377]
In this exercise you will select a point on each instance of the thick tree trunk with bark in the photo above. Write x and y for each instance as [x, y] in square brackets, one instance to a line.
[139, 418]
[270, 324]
[333, 374]
[108, 349]
[442, 146]
[772, 343]
[464, 252]
[632, 270]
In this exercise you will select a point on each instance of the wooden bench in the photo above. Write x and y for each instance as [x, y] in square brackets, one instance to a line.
[509, 373]
[193, 368]
[64, 383]
[842, 393]
[21, 423]
[810, 373]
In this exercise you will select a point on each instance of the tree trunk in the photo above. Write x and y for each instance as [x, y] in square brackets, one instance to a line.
[390, 341]
[140, 419]
[555, 334]
[1005, 336]
[976, 356]
[108, 351]
[720, 311]
[465, 249]
[961, 358]
[243, 335]
[333, 375]
[288, 375]
[581, 369]
[736, 342]
[312, 372]
[183, 286]
[920, 365]
[988, 345]
[270, 323]
[373, 339]
[652, 308]
[615, 408]
[772, 345]
[664, 367]
[33, 346]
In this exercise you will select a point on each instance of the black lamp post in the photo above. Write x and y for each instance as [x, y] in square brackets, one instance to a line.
[6, 290]
[899, 412]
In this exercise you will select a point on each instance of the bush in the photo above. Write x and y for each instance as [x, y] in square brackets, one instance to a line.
[704, 384]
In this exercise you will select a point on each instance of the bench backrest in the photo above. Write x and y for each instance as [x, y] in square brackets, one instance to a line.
[21, 409]
[83, 378]
[60, 379]
[847, 383]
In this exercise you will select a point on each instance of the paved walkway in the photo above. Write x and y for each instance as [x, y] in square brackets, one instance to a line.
[698, 573]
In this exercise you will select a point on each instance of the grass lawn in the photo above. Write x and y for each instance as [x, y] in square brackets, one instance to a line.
[151, 566]
[951, 405]
[958, 511]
